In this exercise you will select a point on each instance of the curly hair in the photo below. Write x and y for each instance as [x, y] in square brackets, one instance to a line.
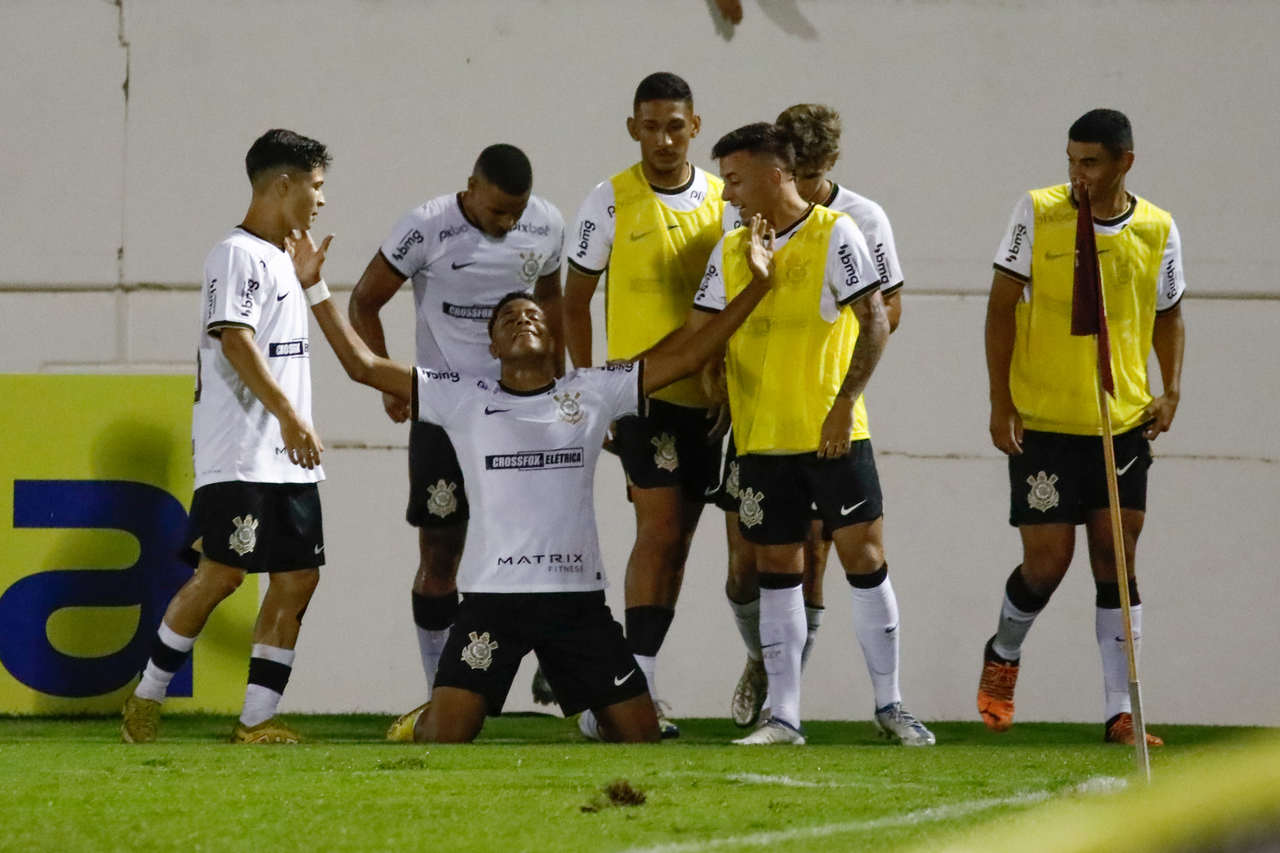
[815, 133]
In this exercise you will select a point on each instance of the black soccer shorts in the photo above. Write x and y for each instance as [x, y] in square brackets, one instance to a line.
[1060, 478]
[669, 447]
[437, 495]
[258, 527]
[579, 646]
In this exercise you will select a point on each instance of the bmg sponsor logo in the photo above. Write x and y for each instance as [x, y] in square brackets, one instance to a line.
[584, 237]
[1015, 243]
[440, 375]
[846, 262]
[882, 264]
[246, 296]
[409, 240]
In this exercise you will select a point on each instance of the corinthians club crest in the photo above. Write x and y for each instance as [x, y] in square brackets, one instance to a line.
[750, 512]
[442, 502]
[1043, 495]
[530, 263]
[570, 408]
[731, 481]
[664, 454]
[478, 654]
[245, 537]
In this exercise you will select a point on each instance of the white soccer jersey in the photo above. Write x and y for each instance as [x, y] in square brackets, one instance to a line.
[1014, 253]
[874, 225]
[850, 271]
[249, 282]
[459, 273]
[592, 240]
[529, 462]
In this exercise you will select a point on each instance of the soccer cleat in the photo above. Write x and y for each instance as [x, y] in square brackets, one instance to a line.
[773, 731]
[995, 689]
[897, 723]
[668, 729]
[141, 720]
[542, 692]
[267, 731]
[1120, 730]
[401, 731]
[749, 695]
[589, 726]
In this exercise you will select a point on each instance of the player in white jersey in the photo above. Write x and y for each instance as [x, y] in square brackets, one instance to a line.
[814, 130]
[462, 251]
[256, 507]
[532, 577]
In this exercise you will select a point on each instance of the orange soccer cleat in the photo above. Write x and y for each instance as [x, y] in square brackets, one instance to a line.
[995, 690]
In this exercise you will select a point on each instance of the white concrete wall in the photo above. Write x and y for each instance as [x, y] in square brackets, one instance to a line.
[952, 108]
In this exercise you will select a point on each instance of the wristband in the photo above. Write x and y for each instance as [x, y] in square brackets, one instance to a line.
[317, 293]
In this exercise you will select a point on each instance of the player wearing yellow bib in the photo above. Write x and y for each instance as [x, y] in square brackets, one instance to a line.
[1044, 411]
[652, 227]
[796, 371]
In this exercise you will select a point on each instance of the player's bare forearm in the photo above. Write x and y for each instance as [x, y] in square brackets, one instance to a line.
[873, 335]
[547, 291]
[301, 442]
[378, 283]
[1168, 339]
[1005, 425]
[893, 309]
[360, 362]
[579, 287]
[666, 362]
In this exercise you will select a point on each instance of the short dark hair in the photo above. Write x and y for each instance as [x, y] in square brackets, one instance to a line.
[758, 138]
[1110, 128]
[278, 147]
[662, 86]
[510, 297]
[506, 167]
[815, 133]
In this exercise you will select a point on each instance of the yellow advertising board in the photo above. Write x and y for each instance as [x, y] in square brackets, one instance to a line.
[95, 482]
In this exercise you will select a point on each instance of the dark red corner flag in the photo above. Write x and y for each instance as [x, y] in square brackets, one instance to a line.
[1088, 313]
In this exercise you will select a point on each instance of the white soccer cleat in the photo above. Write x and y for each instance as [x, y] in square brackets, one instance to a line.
[774, 731]
[749, 695]
[667, 728]
[589, 726]
[897, 723]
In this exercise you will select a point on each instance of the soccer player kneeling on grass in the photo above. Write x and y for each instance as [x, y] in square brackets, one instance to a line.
[256, 507]
[1044, 412]
[531, 577]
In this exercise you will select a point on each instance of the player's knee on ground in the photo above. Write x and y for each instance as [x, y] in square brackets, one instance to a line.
[454, 716]
[633, 720]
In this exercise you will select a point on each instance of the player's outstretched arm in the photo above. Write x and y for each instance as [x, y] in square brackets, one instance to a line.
[679, 355]
[301, 442]
[873, 334]
[547, 291]
[1006, 423]
[1168, 339]
[579, 287]
[360, 362]
[378, 283]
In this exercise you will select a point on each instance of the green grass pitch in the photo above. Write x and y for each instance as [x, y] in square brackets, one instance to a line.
[531, 783]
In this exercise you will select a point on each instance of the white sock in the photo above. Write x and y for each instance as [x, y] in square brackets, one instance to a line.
[155, 681]
[813, 620]
[649, 666]
[589, 725]
[260, 701]
[747, 617]
[782, 631]
[875, 621]
[1109, 624]
[430, 645]
[1012, 630]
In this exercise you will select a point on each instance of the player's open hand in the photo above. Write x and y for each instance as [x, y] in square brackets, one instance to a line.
[397, 409]
[308, 258]
[1006, 430]
[836, 428]
[1159, 415]
[301, 443]
[760, 249]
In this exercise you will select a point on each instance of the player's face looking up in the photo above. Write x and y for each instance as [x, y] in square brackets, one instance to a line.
[520, 329]
[1090, 164]
[303, 196]
[492, 210]
[664, 130]
[751, 182]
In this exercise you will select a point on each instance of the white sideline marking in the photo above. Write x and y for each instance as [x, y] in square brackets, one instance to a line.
[928, 815]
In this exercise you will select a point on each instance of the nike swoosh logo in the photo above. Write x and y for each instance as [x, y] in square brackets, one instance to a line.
[1119, 639]
[847, 510]
[618, 682]
[458, 266]
[641, 235]
[1128, 465]
[318, 549]
[708, 492]
[489, 411]
[282, 297]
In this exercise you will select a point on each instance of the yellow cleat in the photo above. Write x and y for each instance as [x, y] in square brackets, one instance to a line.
[268, 731]
[141, 720]
[401, 731]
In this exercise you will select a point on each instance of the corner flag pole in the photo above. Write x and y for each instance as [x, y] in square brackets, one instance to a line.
[1089, 317]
